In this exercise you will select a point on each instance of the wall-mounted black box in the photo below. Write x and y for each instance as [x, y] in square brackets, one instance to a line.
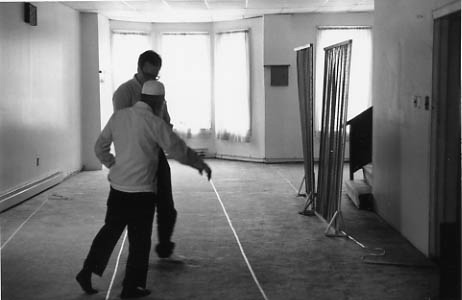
[30, 14]
[279, 75]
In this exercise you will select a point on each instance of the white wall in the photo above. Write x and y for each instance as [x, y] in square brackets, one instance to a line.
[105, 69]
[283, 33]
[39, 94]
[403, 39]
[91, 124]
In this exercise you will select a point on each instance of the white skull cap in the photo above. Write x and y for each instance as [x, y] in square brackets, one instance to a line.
[153, 87]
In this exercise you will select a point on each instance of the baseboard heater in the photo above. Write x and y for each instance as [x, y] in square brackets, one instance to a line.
[238, 158]
[29, 190]
[202, 152]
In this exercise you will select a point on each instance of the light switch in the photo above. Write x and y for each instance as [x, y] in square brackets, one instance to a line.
[417, 101]
[427, 102]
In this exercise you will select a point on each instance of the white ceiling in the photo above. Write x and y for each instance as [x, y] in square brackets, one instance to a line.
[212, 10]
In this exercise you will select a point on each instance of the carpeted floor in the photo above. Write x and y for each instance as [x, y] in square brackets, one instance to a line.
[45, 239]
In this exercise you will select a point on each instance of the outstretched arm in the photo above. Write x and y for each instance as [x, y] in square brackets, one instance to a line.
[177, 149]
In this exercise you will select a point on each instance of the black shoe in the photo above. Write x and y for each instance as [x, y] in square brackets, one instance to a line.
[165, 250]
[84, 279]
[173, 259]
[137, 292]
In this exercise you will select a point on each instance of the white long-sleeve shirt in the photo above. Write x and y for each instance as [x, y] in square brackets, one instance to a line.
[137, 135]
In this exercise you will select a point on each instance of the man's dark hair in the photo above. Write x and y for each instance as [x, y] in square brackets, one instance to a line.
[151, 57]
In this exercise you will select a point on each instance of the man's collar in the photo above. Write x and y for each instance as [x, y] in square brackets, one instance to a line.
[137, 80]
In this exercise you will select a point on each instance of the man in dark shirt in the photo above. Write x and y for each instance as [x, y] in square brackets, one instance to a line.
[128, 93]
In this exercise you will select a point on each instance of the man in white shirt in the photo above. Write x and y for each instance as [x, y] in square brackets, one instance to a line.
[138, 136]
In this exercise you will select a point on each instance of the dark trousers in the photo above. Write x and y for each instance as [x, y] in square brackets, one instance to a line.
[166, 213]
[136, 211]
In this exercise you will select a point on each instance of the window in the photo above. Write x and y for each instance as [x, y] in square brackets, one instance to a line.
[186, 73]
[126, 48]
[359, 98]
[232, 100]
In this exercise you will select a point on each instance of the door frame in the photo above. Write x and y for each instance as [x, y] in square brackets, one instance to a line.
[435, 170]
[440, 125]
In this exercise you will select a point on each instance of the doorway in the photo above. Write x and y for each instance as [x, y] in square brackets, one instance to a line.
[445, 218]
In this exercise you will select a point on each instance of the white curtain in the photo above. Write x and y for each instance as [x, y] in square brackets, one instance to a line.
[126, 48]
[232, 99]
[359, 98]
[186, 73]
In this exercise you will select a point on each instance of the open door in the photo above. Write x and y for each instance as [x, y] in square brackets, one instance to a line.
[445, 218]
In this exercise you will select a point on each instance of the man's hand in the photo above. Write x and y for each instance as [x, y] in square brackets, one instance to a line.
[207, 170]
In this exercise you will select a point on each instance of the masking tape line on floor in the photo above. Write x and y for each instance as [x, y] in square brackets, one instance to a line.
[108, 294]
[239, 243]
[287, 180]
[23, 223]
